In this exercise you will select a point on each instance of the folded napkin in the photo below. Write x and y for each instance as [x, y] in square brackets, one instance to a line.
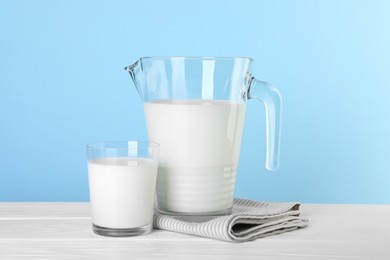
[249, 220]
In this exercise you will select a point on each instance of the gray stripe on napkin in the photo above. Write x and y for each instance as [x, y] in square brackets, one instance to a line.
[249, 220]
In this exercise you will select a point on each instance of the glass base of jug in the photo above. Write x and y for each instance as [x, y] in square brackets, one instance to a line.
[213, 213]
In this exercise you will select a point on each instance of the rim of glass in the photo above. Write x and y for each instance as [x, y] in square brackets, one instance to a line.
[195, 58]
[122, 145]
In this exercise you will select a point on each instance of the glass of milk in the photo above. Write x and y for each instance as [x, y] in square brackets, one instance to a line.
[122, 185]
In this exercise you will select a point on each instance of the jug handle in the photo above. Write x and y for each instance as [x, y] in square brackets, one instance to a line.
[272, 100]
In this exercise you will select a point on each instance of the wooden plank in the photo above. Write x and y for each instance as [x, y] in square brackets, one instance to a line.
[140, 250]
[63, 230]
[43, 210]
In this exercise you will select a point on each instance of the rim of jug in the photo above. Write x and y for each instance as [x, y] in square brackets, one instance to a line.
[195, 58]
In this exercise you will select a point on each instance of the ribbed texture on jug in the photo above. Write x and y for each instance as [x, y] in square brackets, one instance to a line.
[196, 191]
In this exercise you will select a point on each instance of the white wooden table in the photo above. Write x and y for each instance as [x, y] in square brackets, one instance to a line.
[63, 231]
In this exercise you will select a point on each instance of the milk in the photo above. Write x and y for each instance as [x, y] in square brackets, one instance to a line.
[122, 191]
[199, 151]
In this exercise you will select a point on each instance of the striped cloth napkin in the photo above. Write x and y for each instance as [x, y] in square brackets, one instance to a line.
[249, 220]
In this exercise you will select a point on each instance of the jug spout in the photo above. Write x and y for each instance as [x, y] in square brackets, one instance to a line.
[134, 71]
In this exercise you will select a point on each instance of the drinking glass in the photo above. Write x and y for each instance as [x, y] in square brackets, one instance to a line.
[122, 184]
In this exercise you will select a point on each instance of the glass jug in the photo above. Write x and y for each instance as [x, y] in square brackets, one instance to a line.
[195, 110]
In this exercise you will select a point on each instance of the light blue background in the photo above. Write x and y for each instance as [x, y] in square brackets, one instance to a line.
[63, 85]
